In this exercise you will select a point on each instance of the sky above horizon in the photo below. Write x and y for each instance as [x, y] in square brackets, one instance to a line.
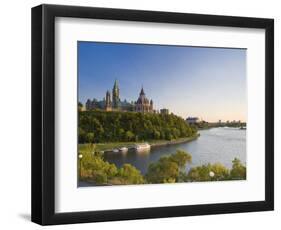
[209, 83]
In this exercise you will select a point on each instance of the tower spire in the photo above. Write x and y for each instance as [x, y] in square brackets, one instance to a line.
[142, 91]
[115, 95]
[115, 83]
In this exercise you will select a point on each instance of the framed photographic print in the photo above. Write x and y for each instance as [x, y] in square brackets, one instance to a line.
[142, 114]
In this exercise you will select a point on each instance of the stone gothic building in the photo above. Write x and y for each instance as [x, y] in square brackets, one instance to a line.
[143, 104]
[112, 102]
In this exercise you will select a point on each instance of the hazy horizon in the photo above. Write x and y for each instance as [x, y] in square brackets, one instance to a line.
[209, 83]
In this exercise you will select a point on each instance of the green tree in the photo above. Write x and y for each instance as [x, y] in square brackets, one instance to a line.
[168, 136]
[94, 168]
[238, 171]
[181, 158]
[156, 134]
[128, 174]
[208, 172]
[81, 135]
[163, 171]
[200, 173]
[90, 137]
[129, 136]
[220, 172]
[168, 169]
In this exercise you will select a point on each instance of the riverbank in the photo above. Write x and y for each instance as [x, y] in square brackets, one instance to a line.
[174, 142]
[225, 126]
[108, 147]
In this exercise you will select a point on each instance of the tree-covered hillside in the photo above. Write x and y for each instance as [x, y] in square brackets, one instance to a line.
[101, 126]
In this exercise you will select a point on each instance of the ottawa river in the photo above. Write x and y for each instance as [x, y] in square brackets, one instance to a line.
[214, 145]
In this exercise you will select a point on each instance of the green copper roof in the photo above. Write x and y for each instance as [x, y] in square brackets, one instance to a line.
[115, 84]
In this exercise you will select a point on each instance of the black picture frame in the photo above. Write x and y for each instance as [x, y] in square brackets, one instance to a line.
[43, 114]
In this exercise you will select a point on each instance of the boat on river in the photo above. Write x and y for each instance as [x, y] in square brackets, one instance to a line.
[123, 149]
[142, 147]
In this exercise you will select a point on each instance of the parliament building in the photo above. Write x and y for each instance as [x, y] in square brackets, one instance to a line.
[112, 102]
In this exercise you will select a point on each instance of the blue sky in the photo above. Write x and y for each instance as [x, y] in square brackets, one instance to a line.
[209, 83]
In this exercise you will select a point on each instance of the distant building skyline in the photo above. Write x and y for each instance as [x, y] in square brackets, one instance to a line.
[209, 83]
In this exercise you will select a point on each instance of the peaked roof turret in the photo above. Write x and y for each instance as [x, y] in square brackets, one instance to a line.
[142, 91]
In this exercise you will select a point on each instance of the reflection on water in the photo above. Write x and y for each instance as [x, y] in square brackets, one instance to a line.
[214, 145]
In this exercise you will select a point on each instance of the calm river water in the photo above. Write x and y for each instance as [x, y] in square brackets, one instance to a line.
[214, 145]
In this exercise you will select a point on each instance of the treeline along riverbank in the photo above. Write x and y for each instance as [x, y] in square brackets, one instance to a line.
[110, 146]
[109, 127]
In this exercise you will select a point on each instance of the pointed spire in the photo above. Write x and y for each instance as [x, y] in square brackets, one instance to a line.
[142, 91]
[115, 84]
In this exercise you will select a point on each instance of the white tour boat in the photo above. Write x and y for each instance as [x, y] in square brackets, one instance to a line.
[141, 147]
[123, 149]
